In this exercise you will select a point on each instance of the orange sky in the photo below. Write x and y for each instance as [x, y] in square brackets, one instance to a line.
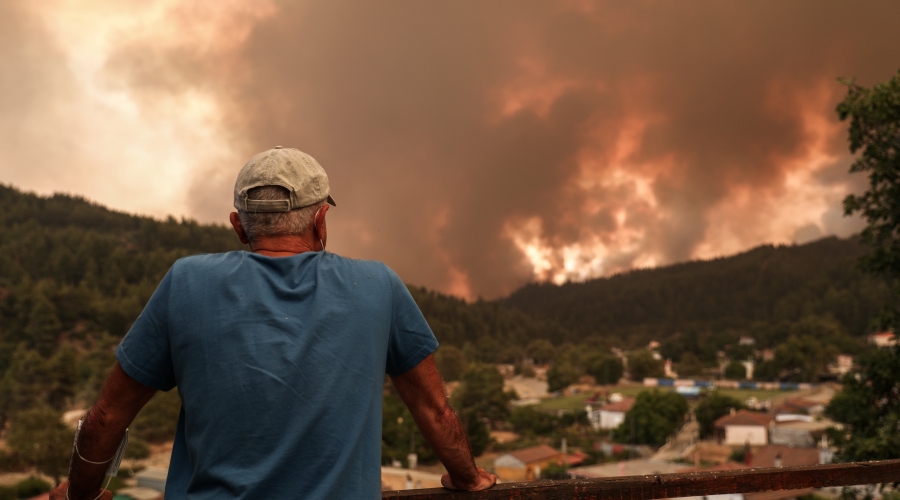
[472, 146]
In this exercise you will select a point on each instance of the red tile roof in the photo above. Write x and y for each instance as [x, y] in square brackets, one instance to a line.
[535, 453]
[622, 406]
[575, 458]
[744, 417]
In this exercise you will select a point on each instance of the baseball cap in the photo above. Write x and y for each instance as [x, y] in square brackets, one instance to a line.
[289, 168]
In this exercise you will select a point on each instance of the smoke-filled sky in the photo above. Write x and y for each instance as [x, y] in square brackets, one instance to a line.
[473, 146]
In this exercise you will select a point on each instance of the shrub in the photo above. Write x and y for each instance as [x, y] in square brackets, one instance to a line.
[31, 487]
[527, 420]
[137, 448]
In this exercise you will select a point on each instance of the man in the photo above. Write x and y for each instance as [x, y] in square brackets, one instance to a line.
[279, 356]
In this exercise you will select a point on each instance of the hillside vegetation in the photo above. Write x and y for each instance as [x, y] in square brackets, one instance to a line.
[75, 275]
[759, 293]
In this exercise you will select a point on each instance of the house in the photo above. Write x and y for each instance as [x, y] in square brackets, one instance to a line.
[611, 415]
[575, 458]
[883, 339]
[800, 406]
[526, 464]
[799, 432]
[743, 427]
[842, 365]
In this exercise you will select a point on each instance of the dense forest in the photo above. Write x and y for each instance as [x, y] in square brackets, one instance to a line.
[74, 275]
[768, 285]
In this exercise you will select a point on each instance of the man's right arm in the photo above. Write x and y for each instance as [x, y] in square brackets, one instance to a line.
[423, 392]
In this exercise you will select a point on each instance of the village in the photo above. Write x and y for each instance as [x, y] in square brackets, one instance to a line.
[778, 425]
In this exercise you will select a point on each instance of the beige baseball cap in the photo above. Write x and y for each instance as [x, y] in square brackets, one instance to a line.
[289, 168]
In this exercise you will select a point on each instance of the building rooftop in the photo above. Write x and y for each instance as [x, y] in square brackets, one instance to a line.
[744, 417]
[536, 453]
[623, 406]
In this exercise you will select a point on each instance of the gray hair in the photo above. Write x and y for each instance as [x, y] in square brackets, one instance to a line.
[297, 222]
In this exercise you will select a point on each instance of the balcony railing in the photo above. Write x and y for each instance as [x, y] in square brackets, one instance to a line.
[689, 484]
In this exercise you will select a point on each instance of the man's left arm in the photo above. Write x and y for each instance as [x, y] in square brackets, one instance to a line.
[121, 398]
[423, 392]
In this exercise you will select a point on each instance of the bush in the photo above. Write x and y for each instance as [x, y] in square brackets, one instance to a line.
[157, 421]
[555, 471]
[605, 369]
[481, 391]
[735, 370]
[642, 364]
[655, 416]
[8, 493]
[477, 429]
[9, 461]
[41, 440]
[526, 420]
[31, 487]
[137, 448]
[561, 375]
[711, 407]
[738, 455]
[451, 362]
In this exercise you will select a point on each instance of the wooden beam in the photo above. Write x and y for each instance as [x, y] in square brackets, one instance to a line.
[676, 485]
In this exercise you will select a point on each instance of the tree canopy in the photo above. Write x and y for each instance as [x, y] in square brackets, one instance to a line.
[869, 404]
[869, 407]
[874, 134]
[655, 416]
[711, 406]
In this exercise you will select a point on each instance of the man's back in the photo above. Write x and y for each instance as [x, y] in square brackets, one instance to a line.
[280, 364]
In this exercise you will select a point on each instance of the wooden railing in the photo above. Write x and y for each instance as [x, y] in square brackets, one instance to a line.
[689, 484]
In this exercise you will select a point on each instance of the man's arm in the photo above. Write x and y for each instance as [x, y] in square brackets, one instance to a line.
[422, 391]
[121, 398]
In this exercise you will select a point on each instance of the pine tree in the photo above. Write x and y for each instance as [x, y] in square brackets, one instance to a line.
[43, 326]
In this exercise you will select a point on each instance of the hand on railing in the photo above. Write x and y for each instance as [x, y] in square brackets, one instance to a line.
[485, 481]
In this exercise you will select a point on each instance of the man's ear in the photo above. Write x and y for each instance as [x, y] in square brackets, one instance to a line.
[238, 228]
[320, 229]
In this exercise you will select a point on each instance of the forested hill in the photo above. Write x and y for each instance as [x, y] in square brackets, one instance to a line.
[96, 267]
[757, 292]
[74, 276]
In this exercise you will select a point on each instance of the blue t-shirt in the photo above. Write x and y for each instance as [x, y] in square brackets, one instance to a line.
[280, 365]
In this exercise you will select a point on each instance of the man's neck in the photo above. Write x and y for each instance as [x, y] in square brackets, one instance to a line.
[284, 246]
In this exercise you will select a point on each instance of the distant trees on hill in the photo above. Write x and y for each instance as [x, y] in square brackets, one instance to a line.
[759, 293]
[655, 416]
[74, 276]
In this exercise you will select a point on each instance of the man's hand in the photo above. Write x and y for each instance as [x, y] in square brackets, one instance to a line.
[485, 481]
[59, 493]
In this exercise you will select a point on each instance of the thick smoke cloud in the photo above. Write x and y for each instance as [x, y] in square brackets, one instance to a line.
[474, 147]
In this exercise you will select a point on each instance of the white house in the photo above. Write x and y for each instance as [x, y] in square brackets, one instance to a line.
[611, 415]
[743, 427]
[883, 339]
